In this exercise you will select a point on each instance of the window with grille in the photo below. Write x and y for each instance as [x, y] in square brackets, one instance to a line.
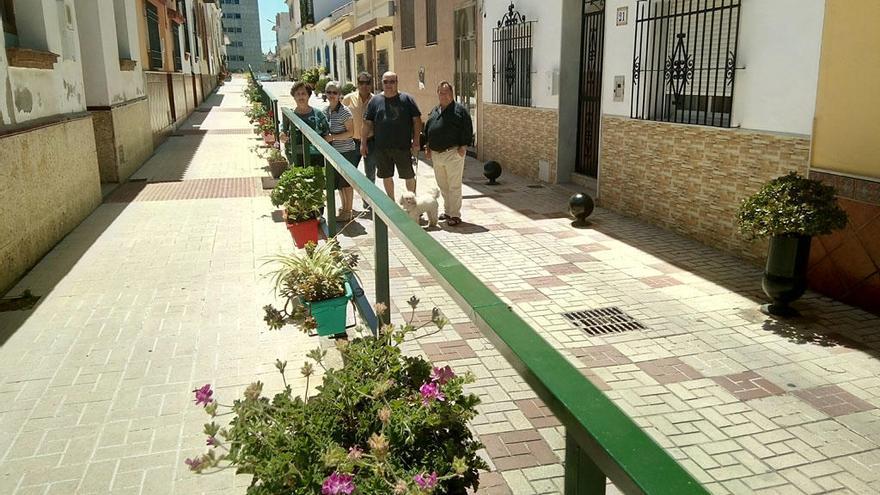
[361, 63]
[175, 33]
[684, 62]
[512, 60]
[381, 61]
[10, 32]
[407, 24]
[181, 7]
[430, 22]
[154, 37]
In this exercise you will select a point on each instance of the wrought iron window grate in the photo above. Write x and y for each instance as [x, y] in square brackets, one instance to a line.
[603, 321]
[684, 61]
[512, 59]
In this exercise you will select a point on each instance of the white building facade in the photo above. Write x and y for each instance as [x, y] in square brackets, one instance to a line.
[667, 110]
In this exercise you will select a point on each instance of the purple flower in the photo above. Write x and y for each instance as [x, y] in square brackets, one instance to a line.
[338, 484]
[211, 441]
[431, 391]
[425, 482]
[355, 453]
[442, 375]
[203, 395]
[194, 464]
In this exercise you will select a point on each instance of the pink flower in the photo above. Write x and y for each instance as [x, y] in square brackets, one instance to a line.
[203, 395]
[338, 484]
[211, 441]
[193, 464]
[431, 391]
[426, 483]
[442, 375]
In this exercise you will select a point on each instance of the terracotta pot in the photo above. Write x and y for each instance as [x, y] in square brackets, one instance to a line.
[303, 232]
[277, 168]
[268, 138]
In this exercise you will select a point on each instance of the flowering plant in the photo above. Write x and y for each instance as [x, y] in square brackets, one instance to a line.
[382, 424]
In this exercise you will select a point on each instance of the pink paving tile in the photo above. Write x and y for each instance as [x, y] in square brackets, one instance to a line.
[518, 449]
[599, 356]
[548, 281]
[594, 379]
[592, 247]
[565, 234]
[492, 483]
[748, 385]
[833, 400]
[398, 272]
[518, 296]
[537, 413]
[660, 281]
[578, 258]
[530, 230]
[468, 331]
[669, 370]
[563, 269]
[448, 351]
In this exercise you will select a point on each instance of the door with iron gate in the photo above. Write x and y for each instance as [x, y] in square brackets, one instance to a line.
[590, 91]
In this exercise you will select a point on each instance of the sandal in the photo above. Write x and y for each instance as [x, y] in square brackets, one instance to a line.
[453, 221]
[443, 216]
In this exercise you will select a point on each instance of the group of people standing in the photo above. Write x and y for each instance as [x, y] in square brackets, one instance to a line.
[385, 130]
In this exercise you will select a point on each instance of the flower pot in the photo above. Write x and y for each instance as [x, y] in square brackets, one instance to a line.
[277, 168]
[330, 313]
[304, 232]
[268, 138]
[785, 276]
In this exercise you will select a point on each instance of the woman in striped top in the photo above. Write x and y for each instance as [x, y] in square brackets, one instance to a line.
[341, 138]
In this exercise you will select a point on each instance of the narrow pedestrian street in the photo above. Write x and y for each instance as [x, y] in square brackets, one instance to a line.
[161, 289]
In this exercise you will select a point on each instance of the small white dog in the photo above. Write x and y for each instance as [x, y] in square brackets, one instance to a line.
[423, 203]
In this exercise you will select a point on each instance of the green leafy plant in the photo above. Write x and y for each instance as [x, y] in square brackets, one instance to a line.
[383, 424]
[312, 75]
[274, 154]
[316, 273]
[791, 205]
[348, 88]
[321, 85]
[301, 190]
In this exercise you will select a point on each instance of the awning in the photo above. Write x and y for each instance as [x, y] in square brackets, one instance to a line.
[373, 27]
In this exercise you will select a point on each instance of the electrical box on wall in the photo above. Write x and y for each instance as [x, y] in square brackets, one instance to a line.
[619, 81]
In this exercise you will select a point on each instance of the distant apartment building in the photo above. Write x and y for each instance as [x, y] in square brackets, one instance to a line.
[241, 23]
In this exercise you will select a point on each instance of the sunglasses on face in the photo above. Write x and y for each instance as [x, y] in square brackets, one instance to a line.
[332, 92]
[390, 81]
[364, 82]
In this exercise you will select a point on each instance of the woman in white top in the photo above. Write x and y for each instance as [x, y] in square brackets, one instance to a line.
[341, 137]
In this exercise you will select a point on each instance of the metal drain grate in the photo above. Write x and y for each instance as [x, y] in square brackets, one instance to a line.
[603, 321]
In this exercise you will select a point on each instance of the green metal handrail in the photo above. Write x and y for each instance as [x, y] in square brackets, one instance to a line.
[601, 440]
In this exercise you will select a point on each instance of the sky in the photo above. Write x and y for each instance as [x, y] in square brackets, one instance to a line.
[268, 9]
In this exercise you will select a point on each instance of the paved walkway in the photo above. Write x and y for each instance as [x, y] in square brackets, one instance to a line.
[159, 291]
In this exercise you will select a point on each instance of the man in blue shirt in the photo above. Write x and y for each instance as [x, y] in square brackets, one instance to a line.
[392, 124]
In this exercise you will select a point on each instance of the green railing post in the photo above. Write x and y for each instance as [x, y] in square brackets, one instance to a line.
[304, 147]
[582, 475]
[383, 286]
[330, 182]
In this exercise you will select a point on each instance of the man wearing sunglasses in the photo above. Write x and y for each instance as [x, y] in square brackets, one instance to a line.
[392, 124]
[357, 103]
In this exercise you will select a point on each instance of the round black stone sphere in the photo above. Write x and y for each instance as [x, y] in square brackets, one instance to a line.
[580, 206]
[492, 170]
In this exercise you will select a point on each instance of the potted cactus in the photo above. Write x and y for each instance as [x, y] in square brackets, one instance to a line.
[789, 210]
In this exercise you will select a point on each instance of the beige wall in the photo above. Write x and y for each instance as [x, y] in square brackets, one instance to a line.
[45, 191]
[691, 179]
[438, 59]
[532, 155]
[847, 130]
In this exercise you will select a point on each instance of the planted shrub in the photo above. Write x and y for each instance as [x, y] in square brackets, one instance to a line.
[791, 205]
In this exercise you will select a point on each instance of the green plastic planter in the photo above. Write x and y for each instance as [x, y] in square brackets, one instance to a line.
[330, 313]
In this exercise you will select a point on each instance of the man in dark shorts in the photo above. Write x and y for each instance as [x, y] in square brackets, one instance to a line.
[392, 124]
